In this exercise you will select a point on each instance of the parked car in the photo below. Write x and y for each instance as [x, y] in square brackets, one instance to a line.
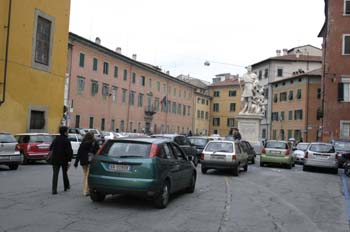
[321, 155]
[75, 141]
[9, 151]
[109, 135]
[34, 146]
[224, 154]
[248, 148]
[342, 147]
[299, 152]
[150, 167]
[79, 131]
[277, 152]
[258, 146]
[184, 143]
[199, 143]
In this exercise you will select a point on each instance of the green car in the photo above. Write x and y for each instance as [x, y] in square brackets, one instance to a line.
[277, 152]
[150, 167]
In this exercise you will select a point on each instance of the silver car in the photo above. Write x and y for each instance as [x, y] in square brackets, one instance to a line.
[299, 152]
[223, 154]
[321, 155]
[9, 151]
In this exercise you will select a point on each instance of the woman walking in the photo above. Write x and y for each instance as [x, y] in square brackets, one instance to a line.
[61, 156]
[88, 147]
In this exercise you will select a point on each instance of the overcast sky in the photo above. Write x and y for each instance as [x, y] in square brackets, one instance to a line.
[180, 35]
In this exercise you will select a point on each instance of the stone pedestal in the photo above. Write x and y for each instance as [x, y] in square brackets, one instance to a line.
[249, 127]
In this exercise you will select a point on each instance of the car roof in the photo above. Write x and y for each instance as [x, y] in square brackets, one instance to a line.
[222, 141]
[316, 143]
[142, 139]
[33, 134]
[280, 141]
[198, 137]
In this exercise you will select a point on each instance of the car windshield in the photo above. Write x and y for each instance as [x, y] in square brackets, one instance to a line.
[6, 138]
[342, 146]
[40, 138]
[276, 145]
[127, 149]
[198, 141]
[323, 148]
[302, 146]
[219, 147]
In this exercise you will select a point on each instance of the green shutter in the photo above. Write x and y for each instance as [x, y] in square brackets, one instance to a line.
[81, 60]
[340, 91]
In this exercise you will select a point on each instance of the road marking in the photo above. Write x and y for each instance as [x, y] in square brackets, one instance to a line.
[346, 196]
[227, 208]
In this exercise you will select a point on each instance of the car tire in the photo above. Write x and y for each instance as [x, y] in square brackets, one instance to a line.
[162, 199]
[96, 196]
[305, 168]
[204, 170]
[192, 186]
[13, 166]
[245, 167]
[253, 160]
[236, 171]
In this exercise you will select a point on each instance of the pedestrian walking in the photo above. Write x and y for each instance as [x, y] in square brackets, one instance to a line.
[61, 156]
[87, 149]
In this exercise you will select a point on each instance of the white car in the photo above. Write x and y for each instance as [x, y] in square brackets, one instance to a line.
[299, 152]
[75, 141]
[109, 135]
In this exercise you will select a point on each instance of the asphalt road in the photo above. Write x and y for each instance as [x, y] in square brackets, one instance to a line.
[263, 199]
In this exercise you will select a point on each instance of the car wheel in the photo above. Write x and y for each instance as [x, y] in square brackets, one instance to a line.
[289, 166]
[97, 196]
[236, 171]
[13, 166]
[191, 187]
[204, 170]
[253, 160]
[245, 168]
[305, 168]
[162, 200]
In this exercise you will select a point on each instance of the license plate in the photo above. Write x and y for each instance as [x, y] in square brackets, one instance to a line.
[218, 157]
[3, 157]
[276, 152]
[119, 168]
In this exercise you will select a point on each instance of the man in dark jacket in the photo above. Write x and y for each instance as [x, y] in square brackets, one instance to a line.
[236, 134]
[61, 156]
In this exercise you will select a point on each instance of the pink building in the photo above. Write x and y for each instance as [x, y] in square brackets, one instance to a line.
[110, 91]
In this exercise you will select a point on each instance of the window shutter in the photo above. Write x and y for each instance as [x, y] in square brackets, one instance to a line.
[340, 91]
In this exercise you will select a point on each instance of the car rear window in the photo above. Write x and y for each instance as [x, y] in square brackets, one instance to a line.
[219, 147]
[342, 145]
[40, 138]
[322, 148]
[302, 146]
[6, 138]
[127, 149]
[277, 145]
[199, 142]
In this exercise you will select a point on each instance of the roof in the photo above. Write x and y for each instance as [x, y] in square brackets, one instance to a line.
[225, 83]
[140, 139]
[316, 72]
[292, 57]
[290, 50]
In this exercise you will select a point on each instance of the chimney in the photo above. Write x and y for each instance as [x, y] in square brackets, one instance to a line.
[285, 51]
[134, 56]
[278, 52]
[118, 50]
[167, 72]
[98, 40]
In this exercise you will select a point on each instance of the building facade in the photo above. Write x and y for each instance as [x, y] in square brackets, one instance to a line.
[110, 91]
[33, 52]
[295, 107]
[225, 106]
[285, 64]
[336, 70]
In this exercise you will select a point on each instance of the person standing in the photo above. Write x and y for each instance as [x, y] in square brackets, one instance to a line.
[61, 156]
[88, 145]
[236, 134]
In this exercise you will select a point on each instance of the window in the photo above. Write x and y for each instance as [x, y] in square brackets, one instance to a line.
[122, 126]
[179, 107]
[132, 98]
[91, 122]
[319, 93]
[133, 79]
[230, 122]
[290, 96]
[124, 96]
[105, 68]
[274, 116]
[207, 102]
[131, 126]
[174, 107]
[232, 107]
[169, 106]
[77, 121]
[188, 110]
[266, 73]
[216, 107]
[94, 64]
[283, 96]
[344, 90]
[274, 134]
[37, 120]
[299, 94]
[112, 125]
[290, 115]
[142, 81]
[156, 103]
[103, 124]
[260, 74]
[282, 116]
[346, 7]
[81, 85]
[346, 44]
[279, 72]
[290, 133]
[140, 100]
[198, 113]
[150, 84]
[94, 88]
[344, 129]
[298, 114]
[203, 101]
[216, 93]
[116, 70]
[275, 98]
[105, 88]
[125, 75]
[174, 92]
[216, 121]
[232, 93]
[184, 110]
[81, 60]
[263, 133]
[198, 100]
[158, 86]
[114, 93]
[202, 114]
[43, 41]
[206, 115]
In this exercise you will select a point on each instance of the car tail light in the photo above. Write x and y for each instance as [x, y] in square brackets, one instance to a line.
[263, 151]
[234, 157]
[287, 153]
[202, 156]
[306, 155]
[154, 151]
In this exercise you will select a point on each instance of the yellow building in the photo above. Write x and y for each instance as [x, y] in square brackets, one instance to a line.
[33, 56]
[202, 112]
[225, 106]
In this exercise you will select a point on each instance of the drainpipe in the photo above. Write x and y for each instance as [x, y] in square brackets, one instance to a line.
[6, 55]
